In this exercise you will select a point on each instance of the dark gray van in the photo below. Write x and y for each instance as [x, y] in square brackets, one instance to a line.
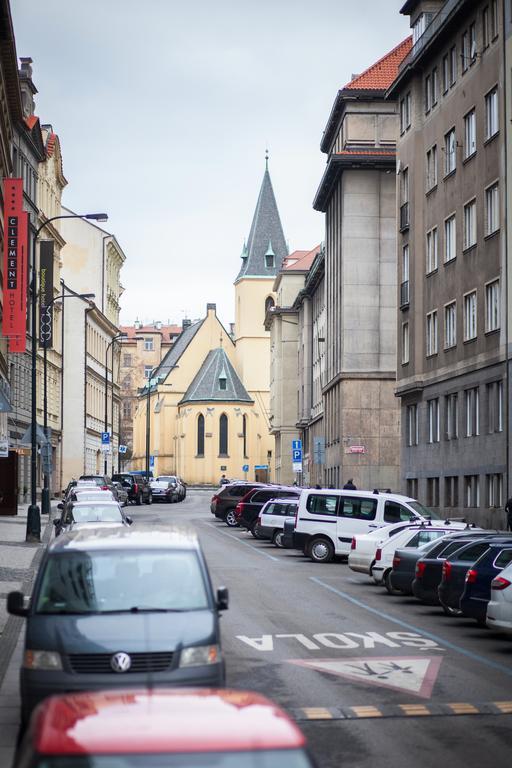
[120, 607]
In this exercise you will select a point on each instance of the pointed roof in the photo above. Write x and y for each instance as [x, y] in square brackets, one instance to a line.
[266, 233]
[205, 386]
[178, 348]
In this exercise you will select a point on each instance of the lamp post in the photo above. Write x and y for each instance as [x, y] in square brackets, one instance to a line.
[45, 496]
[33, 530]
[111, 342]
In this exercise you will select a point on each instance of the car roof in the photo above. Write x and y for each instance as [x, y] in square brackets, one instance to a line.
[377, 494]
[146, 536]
[106, 503]
[287, 500]
[162, 721]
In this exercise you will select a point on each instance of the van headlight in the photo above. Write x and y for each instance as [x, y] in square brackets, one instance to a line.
[42, 660]
[199, 655]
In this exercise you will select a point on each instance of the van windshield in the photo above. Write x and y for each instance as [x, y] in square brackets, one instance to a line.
[423, 511]
[109, 582]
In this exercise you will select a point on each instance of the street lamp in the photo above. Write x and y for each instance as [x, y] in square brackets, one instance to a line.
[33, 530]
[45, 496]
[121, 335]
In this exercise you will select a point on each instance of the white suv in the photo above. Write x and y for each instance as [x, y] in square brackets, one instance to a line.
[272, 517]
[327, 520]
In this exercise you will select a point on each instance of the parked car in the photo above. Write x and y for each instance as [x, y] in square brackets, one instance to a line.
[138, 489]
[87, 493]
[144, 605]
[499, 608]
[328, 520]
[225, 499]
[121, 491]
[90, 514]
[183, 488]
[463, 563]
[364, 547]
[272, 516]
[101, 481]
[157, 727]
[165, 489]
[249, 507]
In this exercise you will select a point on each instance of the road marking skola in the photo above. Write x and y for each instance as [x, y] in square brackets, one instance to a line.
[344, 642]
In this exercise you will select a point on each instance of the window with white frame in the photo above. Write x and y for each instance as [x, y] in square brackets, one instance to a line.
[450, 325]
[450, 238]
[494, 19]
[148, 345]
[412, 425]
[470, 134]
[446, 73]
[486, 31]
[431, 246]
[450, 158]
[452, 419]
[492, 209]
[491, 113]
[453, 65]
[464, 50]
[492, 306]
[494, 490]
[405, 112]
[405, 263]
[494, 407]
[434, 83]
[433, 420]
[472, 43]
[472, 401]
[470, 224]
[147, 371]
[405, 343]
[432, 167]
[470, 316]
[428, 94]
[471, 490]
[431, 333]
[404, 186]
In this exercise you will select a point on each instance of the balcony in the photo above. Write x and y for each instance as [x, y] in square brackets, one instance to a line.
[404, 294]
[404, 217]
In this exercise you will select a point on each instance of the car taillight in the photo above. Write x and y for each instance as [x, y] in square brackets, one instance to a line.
[471, 576]
[104, 487]
[215, 497]
[378, 554]
[500, 583]
[396, 562]
[239, 509]
[135, 488]
[447, 570]
[420, 570]
[353, 544]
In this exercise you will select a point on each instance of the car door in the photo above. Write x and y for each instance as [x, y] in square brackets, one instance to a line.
[357, 515]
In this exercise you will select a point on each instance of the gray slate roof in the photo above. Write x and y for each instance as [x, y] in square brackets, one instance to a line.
[177, 349]
[266, 235]
[205, 385]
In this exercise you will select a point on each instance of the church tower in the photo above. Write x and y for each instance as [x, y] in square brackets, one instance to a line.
[262, 258]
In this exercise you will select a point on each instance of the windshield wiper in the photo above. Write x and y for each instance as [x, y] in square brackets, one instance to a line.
[144, 609]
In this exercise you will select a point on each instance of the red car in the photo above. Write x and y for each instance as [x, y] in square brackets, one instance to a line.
[160, 728]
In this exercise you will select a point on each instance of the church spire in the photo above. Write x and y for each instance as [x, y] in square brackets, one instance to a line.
[266, 229]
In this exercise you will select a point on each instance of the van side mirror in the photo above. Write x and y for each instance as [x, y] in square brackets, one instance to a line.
[16, 604]
[129, 520]
[222, 599]
[60, 505]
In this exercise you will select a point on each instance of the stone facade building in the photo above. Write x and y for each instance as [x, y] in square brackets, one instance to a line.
[452, 378]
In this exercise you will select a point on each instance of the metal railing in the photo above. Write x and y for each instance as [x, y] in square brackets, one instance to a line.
[404, 294]
[404, 216]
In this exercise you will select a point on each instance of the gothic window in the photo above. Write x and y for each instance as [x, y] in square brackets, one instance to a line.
[200, 435]
[223, 435]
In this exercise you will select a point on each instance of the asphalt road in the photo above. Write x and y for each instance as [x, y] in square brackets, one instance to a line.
[372, 679]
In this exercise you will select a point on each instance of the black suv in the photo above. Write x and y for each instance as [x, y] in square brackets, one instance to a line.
[137, 486]
[250, 506]
[224, 500]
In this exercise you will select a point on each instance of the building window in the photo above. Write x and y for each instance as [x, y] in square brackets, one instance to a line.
[452, 416]
[428, 93]
[404, 199]
[412, 425]
[472, 43]
[431, 167]
[451, 491]
[453, 65]
[471, 491]
[223, 435]
[470, 316]
[450, 152]
[470, 134]
[405, 112]
[464, 50]
[450, 239]
[432, 491]
[492, 209]
[495, 407]
[485, 27]
[434, 82]
[433, 420]
[472, 399]
[200, 435]
[244, 434]
[494, 19]
[127, 409]
[470, 224]
[432, 250]
[148, 345]
[127, 361]
[432, 333]
[412, 487]
[446, 73]
[147, 371]
[450, 325]
[492, 306]
[405, 343]
[494, 490]
[491, 113]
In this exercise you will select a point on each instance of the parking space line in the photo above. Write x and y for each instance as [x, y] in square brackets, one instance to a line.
[366, 711]
[245, 543]
[459, 708]
[416, 710]
[317, 713]
[360, 712]
[505, 707]
[431, 636]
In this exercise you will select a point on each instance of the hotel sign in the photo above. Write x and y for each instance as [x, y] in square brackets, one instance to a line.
[15, 266]
[46, 293]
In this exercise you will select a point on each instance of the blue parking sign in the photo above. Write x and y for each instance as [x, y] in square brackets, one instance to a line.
[105, 438]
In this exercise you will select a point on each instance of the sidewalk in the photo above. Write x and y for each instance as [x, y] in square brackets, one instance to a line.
[18, 565]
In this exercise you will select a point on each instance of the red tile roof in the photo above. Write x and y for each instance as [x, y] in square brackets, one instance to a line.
[31, 120]
[380, 75]
[301, 259]
[50, 144]
[167, 331]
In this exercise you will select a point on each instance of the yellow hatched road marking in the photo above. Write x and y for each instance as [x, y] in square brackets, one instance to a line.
[503, 706]
[317, 713]
[366, 711]
[461, 708]
[414, 709]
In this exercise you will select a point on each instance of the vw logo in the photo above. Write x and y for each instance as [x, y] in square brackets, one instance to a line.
[120, 662]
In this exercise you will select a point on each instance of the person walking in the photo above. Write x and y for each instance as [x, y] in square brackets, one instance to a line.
[508, 510]
[223, 480]
[349, 485]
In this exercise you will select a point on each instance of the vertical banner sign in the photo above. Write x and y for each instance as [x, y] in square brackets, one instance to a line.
[45, 293]
[15, 266]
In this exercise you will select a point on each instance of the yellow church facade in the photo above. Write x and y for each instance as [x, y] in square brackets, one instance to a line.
[207, 404]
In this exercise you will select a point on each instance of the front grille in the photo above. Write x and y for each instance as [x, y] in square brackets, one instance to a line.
[99, 663]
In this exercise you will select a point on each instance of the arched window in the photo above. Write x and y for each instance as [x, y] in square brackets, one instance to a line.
[269, 303]
[244, 433]
[223, 435]
[200, 435]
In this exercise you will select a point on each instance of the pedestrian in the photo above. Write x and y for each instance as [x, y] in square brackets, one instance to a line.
[349, 485]
[223, 480]
[295, 483]
[508, 510]
[318, 486]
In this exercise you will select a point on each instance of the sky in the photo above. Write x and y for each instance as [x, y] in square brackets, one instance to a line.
[164, 110]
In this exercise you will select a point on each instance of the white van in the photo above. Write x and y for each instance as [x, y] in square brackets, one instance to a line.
[327, 520]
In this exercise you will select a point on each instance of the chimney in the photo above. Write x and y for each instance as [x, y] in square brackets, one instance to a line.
[137, 325]
[28, 89]
[158, 325]
[211, 308]
[186, 323]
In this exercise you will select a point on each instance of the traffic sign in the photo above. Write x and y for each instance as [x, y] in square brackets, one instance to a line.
[105, 438]
[296, 455]
[297, 466]
[152, 462]
[122, 449]
[245, 468]
[296, 445]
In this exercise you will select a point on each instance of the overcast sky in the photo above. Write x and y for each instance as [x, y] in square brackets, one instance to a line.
[164, 110]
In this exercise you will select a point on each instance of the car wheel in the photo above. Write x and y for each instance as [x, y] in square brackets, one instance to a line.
[150, 499]
[257, 532]
[139, 499]
[277, 538]
[231, 519]
[390, 589]
[451, 611]
[321, 550]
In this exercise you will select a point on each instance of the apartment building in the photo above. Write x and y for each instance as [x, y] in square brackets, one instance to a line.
[451, 378]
